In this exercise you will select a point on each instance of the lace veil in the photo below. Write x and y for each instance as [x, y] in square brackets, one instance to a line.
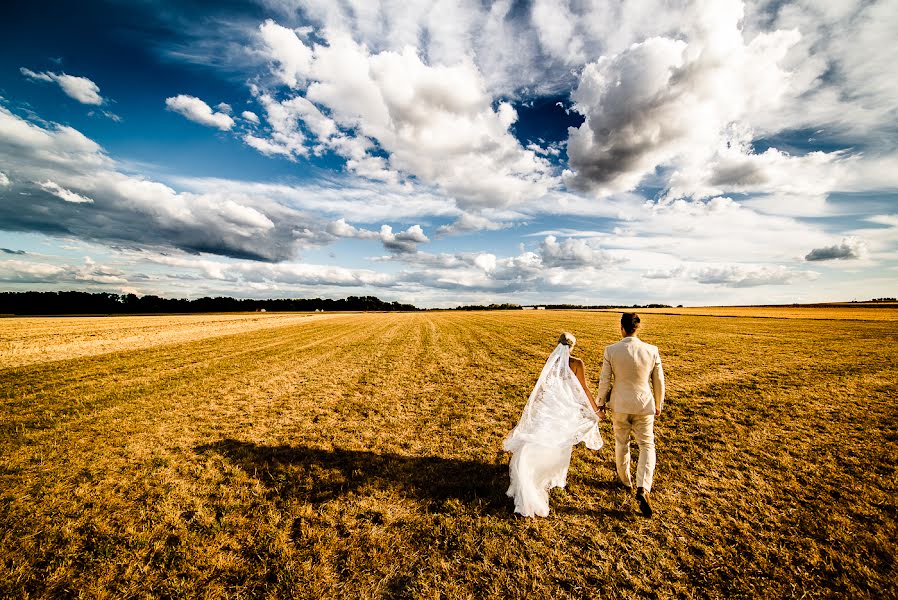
[558, 413]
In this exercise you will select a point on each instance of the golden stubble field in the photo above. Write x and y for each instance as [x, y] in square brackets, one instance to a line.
[359, 456]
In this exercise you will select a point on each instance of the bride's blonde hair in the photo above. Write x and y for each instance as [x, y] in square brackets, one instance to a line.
[567, 339]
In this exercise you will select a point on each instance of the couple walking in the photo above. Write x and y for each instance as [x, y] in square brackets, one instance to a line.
[561, 412]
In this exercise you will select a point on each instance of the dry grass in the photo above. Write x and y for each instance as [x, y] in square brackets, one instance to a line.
[29, 340]
[360, 456]
[879, 311]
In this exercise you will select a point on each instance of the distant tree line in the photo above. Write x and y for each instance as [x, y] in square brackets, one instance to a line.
[489, 307]
[558, 306]
[599, 306]
[73, 303]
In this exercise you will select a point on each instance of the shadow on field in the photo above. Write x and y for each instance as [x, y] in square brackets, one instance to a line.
[316, 475]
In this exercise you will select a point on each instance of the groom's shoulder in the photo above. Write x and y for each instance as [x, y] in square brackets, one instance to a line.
[610, 348]
[651, 347]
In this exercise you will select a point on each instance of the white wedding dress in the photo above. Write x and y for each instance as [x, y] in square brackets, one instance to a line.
[557, 417]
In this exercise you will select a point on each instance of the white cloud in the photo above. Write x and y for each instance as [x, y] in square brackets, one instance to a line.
[357, 199]
[27, 271]
[64, 194]
[81, 89]
[224, 107]
[198, 111]
[273, 146]
[848, 249]
[667, 101]
[469, 222]
[34, 272]
[290, 57]
[572, 253]
[286, 120]
[671, 273]
[104, 203]
[841, 69]
[435, 122]
[563, 265]
[736, 275]
[277, 274]
[404, 241]
[556, 27]
[888, 220]
[341, 228]
[4, 180]
[417, 96]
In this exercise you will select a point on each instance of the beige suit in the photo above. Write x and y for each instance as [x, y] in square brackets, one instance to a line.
[632, 384]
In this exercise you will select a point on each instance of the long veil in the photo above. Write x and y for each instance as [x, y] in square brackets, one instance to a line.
[558, 413]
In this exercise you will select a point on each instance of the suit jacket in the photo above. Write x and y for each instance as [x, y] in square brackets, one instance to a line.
[632, 380]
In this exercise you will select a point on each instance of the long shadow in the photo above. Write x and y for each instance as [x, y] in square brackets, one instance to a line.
[316, 476]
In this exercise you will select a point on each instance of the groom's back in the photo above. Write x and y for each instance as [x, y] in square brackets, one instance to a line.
[636, 370]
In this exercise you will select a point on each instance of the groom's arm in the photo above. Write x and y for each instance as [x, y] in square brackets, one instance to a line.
[658, 384]
[604, 381]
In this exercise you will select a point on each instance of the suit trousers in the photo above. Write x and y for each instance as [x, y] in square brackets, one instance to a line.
[641, 426]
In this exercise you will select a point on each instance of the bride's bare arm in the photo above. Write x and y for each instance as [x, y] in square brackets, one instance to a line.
[579, 370]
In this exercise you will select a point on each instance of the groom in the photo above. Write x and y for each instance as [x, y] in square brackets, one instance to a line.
[635, 398]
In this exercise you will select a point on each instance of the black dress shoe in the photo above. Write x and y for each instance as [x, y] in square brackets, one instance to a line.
[642, 497]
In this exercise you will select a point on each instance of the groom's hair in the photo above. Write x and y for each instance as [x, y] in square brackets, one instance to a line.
[630, 322]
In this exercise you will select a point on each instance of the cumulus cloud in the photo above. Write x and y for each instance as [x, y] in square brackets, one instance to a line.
[291, 59]
[198, 111]
[535, 45]
[435, 122]
[341, 228]
[250, 116]
[81, 89]
[666, 101]
[31, 272]
[287, 120]
[4, 180]
[571, 253]
[404, 241]
[848, 249]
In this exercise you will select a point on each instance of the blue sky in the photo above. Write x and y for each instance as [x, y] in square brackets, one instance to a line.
[445, 153]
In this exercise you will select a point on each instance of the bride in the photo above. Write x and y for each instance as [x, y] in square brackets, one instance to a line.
[560, 413]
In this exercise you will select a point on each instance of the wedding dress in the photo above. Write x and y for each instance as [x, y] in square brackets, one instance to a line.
[557, 417]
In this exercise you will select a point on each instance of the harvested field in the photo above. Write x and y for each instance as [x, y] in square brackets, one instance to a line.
[360, 456]
[29, 340]
[831, 312]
